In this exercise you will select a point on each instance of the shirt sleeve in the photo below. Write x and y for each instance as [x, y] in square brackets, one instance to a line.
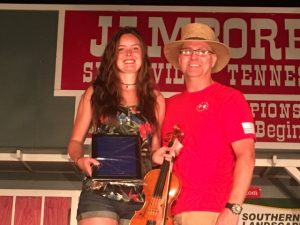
[237, 119]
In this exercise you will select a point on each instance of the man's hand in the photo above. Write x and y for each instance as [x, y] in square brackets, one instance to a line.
[227, 217]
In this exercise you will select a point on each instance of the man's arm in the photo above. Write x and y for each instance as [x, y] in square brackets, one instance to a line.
[245, 161]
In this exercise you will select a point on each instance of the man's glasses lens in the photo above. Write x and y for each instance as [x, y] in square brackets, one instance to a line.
[189, 51]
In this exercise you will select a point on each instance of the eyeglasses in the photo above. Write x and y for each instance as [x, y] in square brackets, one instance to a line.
[201, 52]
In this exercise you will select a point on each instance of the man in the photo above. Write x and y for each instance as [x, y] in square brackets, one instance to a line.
[216, 162]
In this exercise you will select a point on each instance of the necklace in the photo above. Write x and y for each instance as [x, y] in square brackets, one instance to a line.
[127, 85]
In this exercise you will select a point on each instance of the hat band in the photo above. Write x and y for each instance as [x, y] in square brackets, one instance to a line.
[195, 38]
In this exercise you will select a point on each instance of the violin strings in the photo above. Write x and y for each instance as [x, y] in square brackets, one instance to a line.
[158, 192]
[162, 176]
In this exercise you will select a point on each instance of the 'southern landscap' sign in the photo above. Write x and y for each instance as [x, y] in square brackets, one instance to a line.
[265, 215]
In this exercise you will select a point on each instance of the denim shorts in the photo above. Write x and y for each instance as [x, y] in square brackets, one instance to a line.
[93, 205]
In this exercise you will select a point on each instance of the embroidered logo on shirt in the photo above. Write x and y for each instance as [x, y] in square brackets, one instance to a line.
[202, 106]
[248, 128]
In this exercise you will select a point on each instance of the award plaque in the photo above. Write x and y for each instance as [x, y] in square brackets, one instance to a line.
[118, 155]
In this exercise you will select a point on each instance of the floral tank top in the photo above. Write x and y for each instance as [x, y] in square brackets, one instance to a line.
[129, 122]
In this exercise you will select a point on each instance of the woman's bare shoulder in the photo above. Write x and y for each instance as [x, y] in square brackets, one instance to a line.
[88, 92]
[160, 98]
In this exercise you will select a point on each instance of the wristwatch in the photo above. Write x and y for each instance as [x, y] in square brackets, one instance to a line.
[234, 207]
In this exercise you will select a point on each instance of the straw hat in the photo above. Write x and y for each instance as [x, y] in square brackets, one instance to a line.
[198, 32]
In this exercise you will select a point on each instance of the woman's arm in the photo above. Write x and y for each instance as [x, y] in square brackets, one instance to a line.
[160, 115]
[81, 126]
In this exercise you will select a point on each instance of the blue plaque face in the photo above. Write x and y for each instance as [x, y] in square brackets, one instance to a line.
[118, 156]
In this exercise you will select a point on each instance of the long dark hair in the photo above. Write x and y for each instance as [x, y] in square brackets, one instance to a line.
[106, 97]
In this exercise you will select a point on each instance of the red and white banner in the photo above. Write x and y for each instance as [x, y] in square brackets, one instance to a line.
[264, 46]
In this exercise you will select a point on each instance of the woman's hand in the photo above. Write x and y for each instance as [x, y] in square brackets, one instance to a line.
[86, 164]
[158, 155]
[167, 153]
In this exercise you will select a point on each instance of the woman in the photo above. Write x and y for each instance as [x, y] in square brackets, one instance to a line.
[122, 91]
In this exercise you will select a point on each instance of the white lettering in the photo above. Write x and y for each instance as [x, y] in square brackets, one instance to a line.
[258, 52]
[246, 75]
[292, 52]
[273, 110]
[232, 69]
[128, 21]
[296, 111]
[89, 69]
[275, 75]
[87, 72]
[264, 75]
[157, 24]
[290, 80]
[157, 74]
[97, 49]
[278, 132]
[260, 75]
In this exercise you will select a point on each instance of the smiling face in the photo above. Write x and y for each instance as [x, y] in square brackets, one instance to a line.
[129, 54]
[197, 64]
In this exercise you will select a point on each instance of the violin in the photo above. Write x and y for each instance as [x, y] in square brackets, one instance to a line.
[161, 188]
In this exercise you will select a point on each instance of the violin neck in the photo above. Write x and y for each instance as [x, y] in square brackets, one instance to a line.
[162, 178]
